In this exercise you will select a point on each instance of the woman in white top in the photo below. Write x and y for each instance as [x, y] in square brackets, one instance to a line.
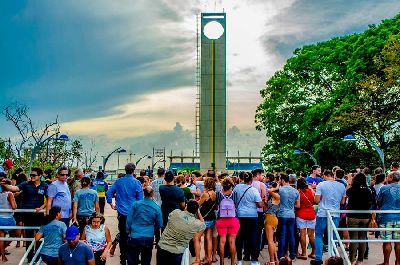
[7, 201]
[98, 237]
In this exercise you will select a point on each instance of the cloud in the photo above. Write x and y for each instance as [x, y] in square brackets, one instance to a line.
[125, 69]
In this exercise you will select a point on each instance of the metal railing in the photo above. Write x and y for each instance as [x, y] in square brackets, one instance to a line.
[333, 231]
[32, 244]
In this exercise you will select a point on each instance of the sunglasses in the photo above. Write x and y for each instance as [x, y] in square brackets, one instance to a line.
[64, 175]
[33, 175]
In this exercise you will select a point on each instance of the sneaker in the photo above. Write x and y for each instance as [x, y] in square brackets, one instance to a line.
[255, 263]
[239, 262]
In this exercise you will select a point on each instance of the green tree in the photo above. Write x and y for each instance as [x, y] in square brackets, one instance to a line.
[304, 102]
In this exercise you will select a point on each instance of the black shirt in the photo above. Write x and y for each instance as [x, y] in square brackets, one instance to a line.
[33, 196]
[360, 198]
[171, 197]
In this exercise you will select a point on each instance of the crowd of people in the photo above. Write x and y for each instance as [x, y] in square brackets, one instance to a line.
[235, 216]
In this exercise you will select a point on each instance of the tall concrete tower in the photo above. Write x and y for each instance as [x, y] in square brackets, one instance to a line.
[213, 92]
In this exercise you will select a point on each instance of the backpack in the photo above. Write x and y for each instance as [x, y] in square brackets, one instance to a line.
[227, 207]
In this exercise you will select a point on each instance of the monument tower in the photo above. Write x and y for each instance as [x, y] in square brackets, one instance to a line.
[213, 92]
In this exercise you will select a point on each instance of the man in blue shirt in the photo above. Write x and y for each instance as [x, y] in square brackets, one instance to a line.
[127, 190]
[389, 199]
[75, 252]
[314, 178]
[143, 219]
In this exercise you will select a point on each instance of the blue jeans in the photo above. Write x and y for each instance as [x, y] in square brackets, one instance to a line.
[140, 247]
[320, 226]
[49, 260]
[166, 257]
[286, 228]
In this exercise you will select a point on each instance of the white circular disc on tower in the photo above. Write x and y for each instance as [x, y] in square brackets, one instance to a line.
[213, 30]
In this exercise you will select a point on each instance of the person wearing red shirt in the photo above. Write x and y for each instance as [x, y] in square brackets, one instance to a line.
[305, 218]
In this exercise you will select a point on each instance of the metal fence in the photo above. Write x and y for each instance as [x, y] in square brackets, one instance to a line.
[333, 231]
[33, 242]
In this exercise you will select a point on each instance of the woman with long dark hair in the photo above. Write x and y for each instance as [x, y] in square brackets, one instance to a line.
[359, 198]
[306, 218]
[52, 232]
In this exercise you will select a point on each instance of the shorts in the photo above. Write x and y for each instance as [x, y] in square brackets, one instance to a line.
[8, 221]
[386, 235]
[228, 226]
[302, 224]
[209, 224]
[271, 220]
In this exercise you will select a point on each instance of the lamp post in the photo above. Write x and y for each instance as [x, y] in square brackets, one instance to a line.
[301, 151]
[105, 160]
[160, 160]
[62, 137]
[137, 162]
[118, 152]
[381, 154]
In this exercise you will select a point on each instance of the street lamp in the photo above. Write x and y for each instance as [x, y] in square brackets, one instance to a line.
[161, 160]
[301, 151]
[118, 152]
[351, 137]
[62, 137]
[105, 160]
[137, 162]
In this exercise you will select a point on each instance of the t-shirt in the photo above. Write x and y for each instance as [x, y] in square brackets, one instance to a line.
[53, 237]
[200, 185]
[188, 195]
[289, 196]
[310, 180]
[181, 228]
[156, 189]
[389, 199]
[33, 197]
[101, 187]
[359, 198]
[61, 195]
[171, 197]
[81, 254]
[331, 193]
[86, 199]
[247, 205]
[306, 210]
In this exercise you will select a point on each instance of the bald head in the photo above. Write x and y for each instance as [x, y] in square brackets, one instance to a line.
[148, 192]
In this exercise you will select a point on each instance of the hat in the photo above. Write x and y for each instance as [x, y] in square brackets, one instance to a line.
[8, 163]
[160, 171]
[71, 233]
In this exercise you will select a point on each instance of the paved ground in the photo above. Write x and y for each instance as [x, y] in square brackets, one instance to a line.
[375, 255]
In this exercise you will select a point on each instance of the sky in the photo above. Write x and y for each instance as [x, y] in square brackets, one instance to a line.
[122, 73]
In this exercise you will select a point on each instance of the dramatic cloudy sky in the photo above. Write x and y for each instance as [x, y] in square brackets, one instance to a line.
[123, 72]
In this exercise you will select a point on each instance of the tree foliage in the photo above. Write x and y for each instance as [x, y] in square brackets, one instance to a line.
[51, 152]
[331, 89]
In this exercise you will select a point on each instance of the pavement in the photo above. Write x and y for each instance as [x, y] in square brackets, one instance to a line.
[375, 255]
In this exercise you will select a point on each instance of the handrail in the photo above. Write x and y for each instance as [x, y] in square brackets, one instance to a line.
[36, 254]
[332, 229]
[21, 262]
[21, 211]
[331, 241]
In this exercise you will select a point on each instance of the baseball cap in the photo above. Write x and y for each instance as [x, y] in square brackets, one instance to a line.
[71, 233]
[9, 163]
